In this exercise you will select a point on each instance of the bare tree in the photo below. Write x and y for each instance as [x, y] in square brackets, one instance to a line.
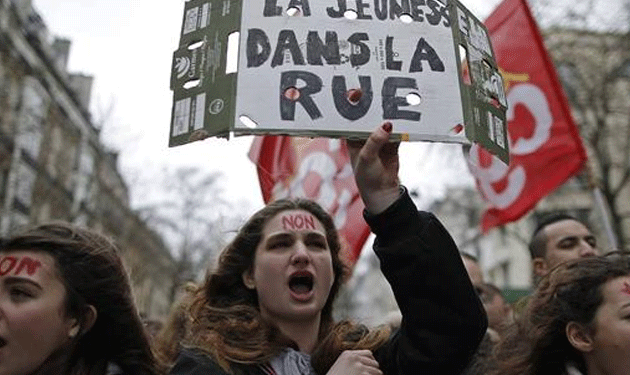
[187, 208]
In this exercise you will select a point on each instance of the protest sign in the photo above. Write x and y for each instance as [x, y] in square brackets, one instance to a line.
[287, 67]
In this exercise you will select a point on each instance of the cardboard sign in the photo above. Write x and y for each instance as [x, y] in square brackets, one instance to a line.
[289, 66]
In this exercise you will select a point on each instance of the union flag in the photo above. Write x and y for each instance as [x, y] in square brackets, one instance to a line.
[545, 145]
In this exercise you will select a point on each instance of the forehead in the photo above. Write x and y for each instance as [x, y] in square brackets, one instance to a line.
[617, 291]
[293, 221]
[25, 263]
[566, 228]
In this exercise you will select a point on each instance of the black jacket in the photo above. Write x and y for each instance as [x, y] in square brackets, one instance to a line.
[443, 320]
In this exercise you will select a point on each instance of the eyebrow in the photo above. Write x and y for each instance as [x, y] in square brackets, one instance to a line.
[12, 280]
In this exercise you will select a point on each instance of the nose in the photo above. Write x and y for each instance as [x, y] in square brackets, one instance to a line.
[586, 250]
[300, 255]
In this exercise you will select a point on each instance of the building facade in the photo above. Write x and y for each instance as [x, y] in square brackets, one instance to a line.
[52, 163]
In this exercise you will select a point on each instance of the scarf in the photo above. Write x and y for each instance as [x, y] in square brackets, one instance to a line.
[292, 362]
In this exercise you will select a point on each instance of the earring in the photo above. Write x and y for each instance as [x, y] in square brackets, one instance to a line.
[74, 331]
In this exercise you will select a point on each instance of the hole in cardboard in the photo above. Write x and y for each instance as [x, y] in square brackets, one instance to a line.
[231, 62]
[465, 68]
[192, 84]
[406, 18]
[413, 98]
[195, 45]
[350, 14]
[292, 93]
[354, 96]
[457, 128]
[293, 11]
[248, 122]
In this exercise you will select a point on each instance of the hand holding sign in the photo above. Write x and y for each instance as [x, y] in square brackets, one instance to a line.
[375, 164]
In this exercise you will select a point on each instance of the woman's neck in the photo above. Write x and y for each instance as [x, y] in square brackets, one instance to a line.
[304, 333]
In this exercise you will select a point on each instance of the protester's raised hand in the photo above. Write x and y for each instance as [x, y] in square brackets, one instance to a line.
[375, 164]
[355, 362]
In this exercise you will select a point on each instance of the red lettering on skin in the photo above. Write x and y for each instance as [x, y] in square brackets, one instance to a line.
[287, 223]
[293, 222]
[30, 264]
[626, 288]
[7, 264]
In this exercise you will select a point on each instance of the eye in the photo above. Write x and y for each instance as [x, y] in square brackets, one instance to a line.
[20, 294]
[592, 241]
[279, 243]
[567, 243]
[316, 241]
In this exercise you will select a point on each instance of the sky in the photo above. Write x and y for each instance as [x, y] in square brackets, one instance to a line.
[127, 45]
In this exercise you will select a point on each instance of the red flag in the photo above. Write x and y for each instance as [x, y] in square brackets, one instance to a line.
[318, 169]
[545, 146]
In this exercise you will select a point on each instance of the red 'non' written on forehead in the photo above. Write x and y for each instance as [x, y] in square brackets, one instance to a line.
[626, 288]
[18, 265]
[298, 221]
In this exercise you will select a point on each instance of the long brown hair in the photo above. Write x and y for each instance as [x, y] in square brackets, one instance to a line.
[225, 317]
[92, 272]
[572, 292]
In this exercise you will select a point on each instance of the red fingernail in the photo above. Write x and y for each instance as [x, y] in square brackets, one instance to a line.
[388, 127]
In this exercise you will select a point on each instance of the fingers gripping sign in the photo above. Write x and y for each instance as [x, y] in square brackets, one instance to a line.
[355, 362]
[376, 164]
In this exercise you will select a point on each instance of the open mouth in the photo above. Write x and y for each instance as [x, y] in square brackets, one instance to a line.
[301, 282]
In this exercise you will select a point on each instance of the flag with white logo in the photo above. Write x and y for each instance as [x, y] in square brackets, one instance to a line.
[545, 145]
[318, 169]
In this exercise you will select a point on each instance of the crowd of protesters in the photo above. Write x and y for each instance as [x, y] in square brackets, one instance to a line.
[66, 305]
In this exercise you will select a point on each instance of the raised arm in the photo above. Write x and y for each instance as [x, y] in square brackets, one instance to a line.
[443, 320]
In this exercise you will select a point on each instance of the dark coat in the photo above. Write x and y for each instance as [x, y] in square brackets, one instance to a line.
[443, 320]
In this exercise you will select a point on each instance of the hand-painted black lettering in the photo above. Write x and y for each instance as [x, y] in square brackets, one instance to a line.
[272, 9]
[315, 49]
[361, 10]
[314, 85]
[425, 52]
[389, 52]
[416, 12]
[447, 17]
[396, 10]
[337, 13]
[287, 41]
[258, 47]
[380, 9]
[344, 107]
[391, 102]
[361, 58]
[302, 4]
[436, 15]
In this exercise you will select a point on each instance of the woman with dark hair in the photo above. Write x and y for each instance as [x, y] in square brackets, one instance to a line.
[267, 308]
[66, 306]
[576, 322]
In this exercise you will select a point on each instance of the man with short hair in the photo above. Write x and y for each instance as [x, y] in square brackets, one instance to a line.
[559, 238]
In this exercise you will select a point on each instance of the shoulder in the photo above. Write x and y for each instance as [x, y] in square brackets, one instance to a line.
[195, 362]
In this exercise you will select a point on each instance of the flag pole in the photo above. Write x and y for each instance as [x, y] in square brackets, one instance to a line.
[602, 207]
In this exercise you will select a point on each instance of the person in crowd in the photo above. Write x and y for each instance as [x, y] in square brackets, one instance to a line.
[498, 310]
[66, 306]
[267, 307]
[472, 268]
[558, 238]
[577, 322]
